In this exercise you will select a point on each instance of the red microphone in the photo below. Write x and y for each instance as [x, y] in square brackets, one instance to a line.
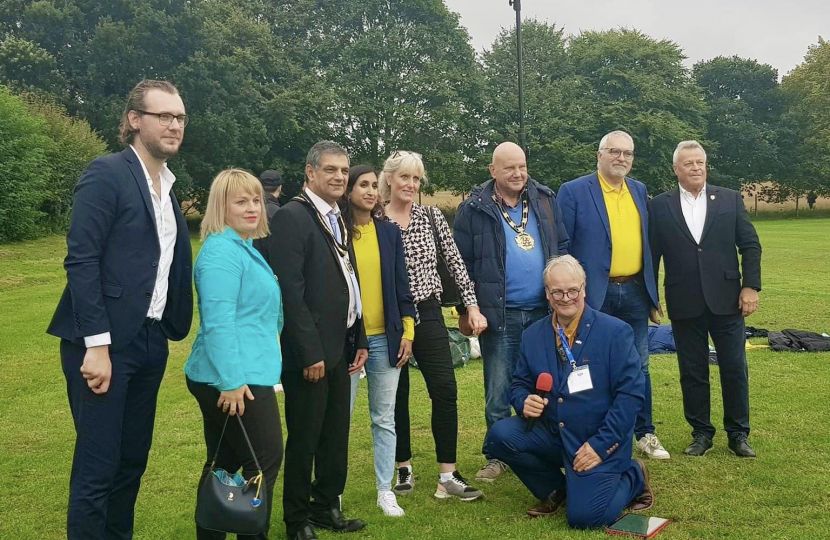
[543, 385]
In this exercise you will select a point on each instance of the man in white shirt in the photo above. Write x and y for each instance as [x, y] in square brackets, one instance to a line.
[695, 229]
[128, 268]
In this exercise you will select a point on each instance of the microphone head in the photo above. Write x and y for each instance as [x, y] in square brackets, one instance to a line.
[544, 382]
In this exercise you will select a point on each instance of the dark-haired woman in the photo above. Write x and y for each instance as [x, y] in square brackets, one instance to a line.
[388, 316]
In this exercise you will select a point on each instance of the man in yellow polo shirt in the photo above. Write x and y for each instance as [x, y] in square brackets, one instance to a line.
[606, 217]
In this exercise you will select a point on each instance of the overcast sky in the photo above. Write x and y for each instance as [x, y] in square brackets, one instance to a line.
[773, 32]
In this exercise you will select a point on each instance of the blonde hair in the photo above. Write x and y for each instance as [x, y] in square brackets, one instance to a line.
[226, 184]
[402, 160]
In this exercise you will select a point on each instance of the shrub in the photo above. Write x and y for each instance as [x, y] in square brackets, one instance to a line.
[24, 168]
[75, 145]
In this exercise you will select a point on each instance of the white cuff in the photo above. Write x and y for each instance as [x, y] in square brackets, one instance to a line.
[97, 340]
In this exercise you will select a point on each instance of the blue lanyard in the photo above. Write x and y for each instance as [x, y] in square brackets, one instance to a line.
[564, 339]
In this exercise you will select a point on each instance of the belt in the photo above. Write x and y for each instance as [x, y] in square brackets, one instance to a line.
[149, 321]
[621, 279]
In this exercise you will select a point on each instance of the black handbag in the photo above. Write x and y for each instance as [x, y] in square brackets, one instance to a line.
[233, 509]
[450, 295]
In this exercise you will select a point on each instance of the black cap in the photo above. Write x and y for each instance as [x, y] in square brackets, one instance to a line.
[271, 179]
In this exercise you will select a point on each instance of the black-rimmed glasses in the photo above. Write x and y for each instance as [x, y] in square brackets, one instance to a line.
[570, 293]
[165, 119]
[616, 152]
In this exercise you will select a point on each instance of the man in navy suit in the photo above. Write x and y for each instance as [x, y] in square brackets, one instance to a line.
[128, 270]
[697, 229]
[585, 423]
[606, 216]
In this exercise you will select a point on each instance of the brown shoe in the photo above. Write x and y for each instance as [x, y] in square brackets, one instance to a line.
[549, 506]
[644, 500]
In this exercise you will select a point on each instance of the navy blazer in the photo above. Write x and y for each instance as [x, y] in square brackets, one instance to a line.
[586, 219]
[603, 416]
[397, 298]
[706, 274]
[113, 255]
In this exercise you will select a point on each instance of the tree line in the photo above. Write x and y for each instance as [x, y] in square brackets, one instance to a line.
[264, 79]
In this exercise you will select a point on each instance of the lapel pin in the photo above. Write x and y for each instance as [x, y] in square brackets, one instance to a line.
[578, 342]
[712, 197]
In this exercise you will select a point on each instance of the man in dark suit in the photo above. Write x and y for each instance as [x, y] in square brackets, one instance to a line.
[323, 335]
[606, 216]
[128, 270]
[586, 422]
[695, 229]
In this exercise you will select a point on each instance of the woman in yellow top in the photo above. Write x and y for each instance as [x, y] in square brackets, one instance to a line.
[388, 315]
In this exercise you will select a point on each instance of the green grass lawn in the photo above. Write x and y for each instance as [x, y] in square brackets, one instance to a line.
[785, 493]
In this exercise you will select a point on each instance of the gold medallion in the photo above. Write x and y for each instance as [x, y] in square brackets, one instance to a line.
[525, 241]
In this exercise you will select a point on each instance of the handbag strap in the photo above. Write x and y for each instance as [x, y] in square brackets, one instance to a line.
[247, 440]
[438, 249]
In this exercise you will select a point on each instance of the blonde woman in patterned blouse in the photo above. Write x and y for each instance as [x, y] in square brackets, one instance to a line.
[400, 181]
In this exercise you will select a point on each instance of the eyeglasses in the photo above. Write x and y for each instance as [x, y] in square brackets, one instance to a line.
[615, 152]
[165, 119]
[570, 293]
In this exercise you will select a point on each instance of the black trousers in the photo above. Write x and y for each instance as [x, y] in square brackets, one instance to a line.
[262, 422]
[431, 349]
[691, 338]
[317, 416]
[114, 432]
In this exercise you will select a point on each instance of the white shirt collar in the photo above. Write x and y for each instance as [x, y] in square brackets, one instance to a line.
[322, 206]
[688, 194]
[165, 176]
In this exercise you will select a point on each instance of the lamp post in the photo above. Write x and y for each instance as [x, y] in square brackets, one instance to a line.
[517, 7]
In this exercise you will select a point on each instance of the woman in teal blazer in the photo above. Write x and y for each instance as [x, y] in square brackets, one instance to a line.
[236, 358]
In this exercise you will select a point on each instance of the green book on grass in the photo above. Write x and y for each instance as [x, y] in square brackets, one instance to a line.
[637, 526]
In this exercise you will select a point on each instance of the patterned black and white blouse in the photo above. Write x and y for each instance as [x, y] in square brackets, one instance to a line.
[422, 259]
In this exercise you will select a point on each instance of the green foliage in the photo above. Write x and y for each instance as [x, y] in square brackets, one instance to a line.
[25, 65]
[42, 154]
[807, 91]
[578, 90]
[263, 81]
[74, 145]
[24, 168]
[744, 120]
[402, 76]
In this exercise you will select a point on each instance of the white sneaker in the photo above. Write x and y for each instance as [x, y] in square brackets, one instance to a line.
[389, 504]
[650, 446]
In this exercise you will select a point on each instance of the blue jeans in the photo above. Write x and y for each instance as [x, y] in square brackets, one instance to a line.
[499, 352]
[383, 385]
[537, 457]
[630, 303]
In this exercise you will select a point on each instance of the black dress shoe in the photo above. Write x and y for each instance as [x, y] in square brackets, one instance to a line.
[700, 445]
[549, 506]
[306, 533]
[740, 447]
[333, 520]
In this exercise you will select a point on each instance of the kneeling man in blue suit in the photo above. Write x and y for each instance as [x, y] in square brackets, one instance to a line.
[585, 423]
